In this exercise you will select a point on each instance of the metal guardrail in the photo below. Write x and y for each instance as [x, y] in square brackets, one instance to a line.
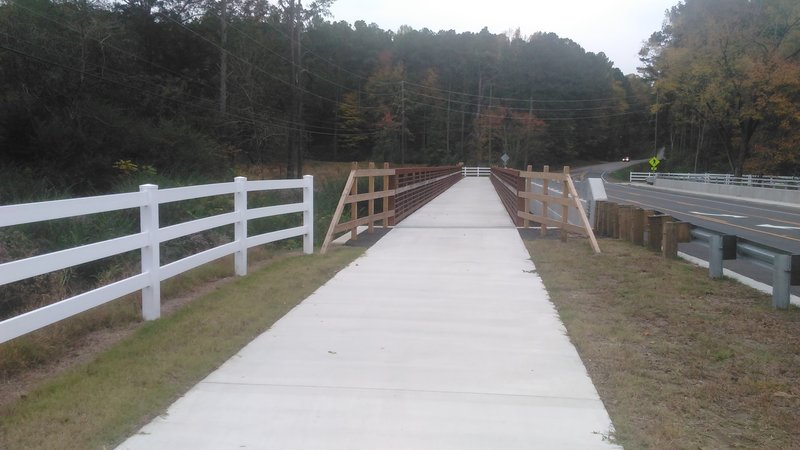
[785, 267]
[764, 181]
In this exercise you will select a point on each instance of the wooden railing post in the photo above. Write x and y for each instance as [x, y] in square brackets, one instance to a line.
[527, 208]
[545, 204]
[371, 204]
[520, 187]
[386, 199]
[565, 207]
[354, 205]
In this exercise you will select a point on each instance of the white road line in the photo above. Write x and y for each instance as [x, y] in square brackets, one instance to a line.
[779, 227]
[718, 215]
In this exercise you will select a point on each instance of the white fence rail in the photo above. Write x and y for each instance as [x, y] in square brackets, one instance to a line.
[148, 240]
[765, 181]
[476, 171]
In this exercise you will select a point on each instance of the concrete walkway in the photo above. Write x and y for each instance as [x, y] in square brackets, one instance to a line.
[440, 337]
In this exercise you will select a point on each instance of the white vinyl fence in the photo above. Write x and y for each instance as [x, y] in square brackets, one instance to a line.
[148, 240]
[476, 171]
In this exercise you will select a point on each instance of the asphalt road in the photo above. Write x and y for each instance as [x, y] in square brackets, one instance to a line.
[770, 225]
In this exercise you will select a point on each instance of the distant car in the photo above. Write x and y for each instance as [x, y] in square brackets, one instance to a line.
[626, 158]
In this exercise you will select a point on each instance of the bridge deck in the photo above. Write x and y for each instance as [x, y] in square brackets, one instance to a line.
[440, 336]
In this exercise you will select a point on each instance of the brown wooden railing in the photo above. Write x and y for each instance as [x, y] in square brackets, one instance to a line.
[402, 191]
[416, 186]
[514, 189]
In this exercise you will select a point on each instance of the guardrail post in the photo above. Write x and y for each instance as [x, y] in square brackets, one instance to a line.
[781, 279]
[721, 247]
[624, 222]
[308, 214]
[600, 217]
[670, 240]
[637, 226]
[151, 254]
[613, 224]
[656, 229]
[240, 226]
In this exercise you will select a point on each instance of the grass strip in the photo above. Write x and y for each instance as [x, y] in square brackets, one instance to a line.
[99, 404]
[680, 360]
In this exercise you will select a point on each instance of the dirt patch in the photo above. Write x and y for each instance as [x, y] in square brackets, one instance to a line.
[680, 360]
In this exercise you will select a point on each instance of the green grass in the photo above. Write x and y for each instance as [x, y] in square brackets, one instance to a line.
[100, 403]
[680, 360]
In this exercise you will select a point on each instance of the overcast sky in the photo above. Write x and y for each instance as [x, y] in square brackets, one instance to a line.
[615, 27]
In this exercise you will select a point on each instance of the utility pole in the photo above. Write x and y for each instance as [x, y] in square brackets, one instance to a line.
[447, 127]
[223, 58]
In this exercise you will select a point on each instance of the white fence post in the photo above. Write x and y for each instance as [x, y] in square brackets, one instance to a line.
[240, 227]
[308, 214]
[151, 254]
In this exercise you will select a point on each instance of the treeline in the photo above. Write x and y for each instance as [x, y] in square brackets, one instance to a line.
[727, 74]
[91, 90]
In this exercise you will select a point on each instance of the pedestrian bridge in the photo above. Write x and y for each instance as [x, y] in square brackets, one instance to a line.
[440, 336]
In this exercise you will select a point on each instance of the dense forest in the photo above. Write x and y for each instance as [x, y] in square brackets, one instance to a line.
[727, 78]
[92, 90]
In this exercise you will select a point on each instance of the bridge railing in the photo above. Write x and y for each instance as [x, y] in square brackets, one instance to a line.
[515, 189]
[765, 181]
[148, 241]
[401, 190]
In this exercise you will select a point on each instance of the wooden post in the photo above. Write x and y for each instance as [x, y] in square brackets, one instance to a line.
[683, 231]
[385, 199]
[656, 230]
[637, 226]
[565, 207]
[354, 205]
[600, 217]
[670, 239]
[614, 216]
[646, 225]
[526, 223]
[545, 204]
[521, 186]
[371, 204]
[392, 186]
[624, 228]
[608, 225]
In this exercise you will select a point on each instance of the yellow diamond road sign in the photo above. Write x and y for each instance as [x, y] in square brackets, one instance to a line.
[654, 162]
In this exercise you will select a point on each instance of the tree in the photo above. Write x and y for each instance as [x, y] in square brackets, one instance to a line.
[734, 65]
